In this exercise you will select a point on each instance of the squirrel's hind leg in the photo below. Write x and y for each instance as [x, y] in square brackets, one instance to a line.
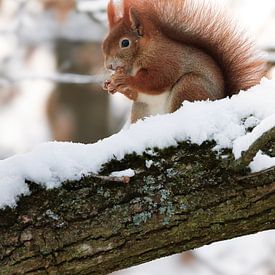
[194, 87]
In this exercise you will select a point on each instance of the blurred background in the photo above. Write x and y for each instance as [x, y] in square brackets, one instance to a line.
[51, 70]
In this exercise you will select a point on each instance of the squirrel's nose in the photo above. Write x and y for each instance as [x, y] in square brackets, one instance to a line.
[113, 64]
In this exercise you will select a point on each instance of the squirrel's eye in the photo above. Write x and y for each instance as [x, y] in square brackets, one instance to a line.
[125, 43]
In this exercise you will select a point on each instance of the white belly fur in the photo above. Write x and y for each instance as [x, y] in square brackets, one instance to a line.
[156, 104]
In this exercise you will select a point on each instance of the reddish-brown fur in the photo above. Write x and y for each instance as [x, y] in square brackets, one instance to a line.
[188, 47]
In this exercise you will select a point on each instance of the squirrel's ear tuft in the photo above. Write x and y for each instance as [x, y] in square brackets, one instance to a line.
[111, 14]
[115, 12]
[135, 21]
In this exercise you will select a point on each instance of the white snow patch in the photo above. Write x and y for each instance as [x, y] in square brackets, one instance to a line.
[125, 173]
[223, 121]
[261, 162]
[149, 163]
[11, 188]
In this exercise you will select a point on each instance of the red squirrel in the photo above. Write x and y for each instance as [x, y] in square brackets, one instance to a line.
[163, 52]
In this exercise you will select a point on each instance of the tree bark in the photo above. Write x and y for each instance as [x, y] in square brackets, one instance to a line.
[180, 198]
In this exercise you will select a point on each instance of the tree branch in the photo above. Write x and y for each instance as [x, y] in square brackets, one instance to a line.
[187, 198]
[248, 156]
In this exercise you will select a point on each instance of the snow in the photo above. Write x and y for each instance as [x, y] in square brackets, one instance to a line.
[11, 188]
[261, 162]
[225, 121]
[149, 163]
[125, 173]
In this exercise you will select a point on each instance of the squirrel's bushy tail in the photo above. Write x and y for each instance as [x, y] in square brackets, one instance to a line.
[204, 25]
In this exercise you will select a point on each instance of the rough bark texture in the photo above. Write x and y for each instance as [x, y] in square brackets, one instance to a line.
[187, 197]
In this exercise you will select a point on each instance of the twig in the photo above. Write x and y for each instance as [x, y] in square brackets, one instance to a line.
[257, 174]
[123, 179]
[248, 156]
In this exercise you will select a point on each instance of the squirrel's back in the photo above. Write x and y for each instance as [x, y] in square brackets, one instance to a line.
[205, 26]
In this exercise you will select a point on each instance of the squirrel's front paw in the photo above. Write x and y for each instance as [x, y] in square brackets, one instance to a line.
[119, 83]
[116, 83]
[108, 86]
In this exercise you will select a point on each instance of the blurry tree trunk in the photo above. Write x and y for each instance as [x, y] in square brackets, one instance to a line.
[77, 112]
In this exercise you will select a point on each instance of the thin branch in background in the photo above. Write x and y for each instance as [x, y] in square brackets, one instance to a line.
[257, 174]
[94, 18]
[271, 56]
[7, 81]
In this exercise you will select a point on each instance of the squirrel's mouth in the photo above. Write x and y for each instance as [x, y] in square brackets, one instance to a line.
[113, 64]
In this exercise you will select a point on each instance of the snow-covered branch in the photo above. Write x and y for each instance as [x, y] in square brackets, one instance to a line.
[179, 198]
[233, 124]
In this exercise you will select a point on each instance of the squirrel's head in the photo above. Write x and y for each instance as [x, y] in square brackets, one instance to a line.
[122, 45]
